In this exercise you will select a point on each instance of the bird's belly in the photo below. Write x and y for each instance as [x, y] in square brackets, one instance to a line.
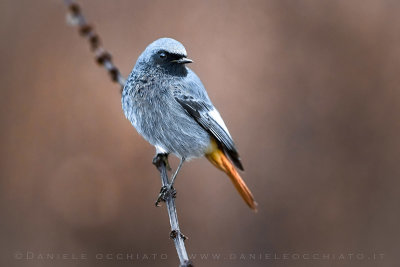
[166, 125]
[176, 134]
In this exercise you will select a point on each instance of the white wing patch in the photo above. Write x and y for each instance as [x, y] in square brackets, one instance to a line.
[217, 117]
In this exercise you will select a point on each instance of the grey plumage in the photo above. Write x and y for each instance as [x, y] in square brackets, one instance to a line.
[169, 106]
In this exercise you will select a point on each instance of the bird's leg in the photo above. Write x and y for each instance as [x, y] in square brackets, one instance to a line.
[165, 190]
[176, 172]
[158, 160]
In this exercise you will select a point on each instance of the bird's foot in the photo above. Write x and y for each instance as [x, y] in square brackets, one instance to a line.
[165, 192]
[174, 234]
[160, 159]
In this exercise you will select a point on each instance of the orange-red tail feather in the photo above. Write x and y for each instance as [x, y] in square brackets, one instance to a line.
[218, 158]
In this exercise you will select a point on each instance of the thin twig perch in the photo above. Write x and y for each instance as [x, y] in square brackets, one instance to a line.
[75, 17]
[103, 58]
[160, 161]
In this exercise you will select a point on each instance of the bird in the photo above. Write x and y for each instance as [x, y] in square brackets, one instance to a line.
[169, 106]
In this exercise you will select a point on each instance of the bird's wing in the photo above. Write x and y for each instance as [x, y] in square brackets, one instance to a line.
[202, 110]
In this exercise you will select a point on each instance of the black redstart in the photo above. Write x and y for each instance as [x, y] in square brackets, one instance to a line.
[168, 105]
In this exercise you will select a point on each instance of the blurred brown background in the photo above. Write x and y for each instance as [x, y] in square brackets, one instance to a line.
[309, 90]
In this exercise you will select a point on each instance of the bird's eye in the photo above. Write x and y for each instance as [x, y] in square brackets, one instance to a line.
[163, 55]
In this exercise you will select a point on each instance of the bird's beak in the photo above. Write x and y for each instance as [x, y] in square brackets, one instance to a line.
[182, 60]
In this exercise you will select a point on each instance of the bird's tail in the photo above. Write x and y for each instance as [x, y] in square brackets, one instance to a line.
[218, 158]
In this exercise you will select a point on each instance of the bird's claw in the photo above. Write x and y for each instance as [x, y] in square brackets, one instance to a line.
[165, 192]
[161, 196]
[174, 234]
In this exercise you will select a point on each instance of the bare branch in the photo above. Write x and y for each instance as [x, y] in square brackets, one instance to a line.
[161, 162]
[103, 58]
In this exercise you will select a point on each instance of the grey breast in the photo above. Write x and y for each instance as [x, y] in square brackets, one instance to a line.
[152, 109]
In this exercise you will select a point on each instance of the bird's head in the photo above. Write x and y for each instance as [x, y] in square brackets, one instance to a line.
[165, 53]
